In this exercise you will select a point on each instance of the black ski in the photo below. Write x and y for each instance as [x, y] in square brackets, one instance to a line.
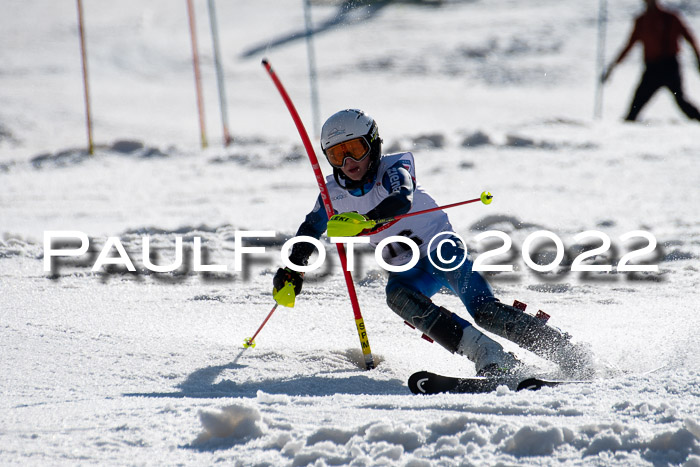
[424, 382]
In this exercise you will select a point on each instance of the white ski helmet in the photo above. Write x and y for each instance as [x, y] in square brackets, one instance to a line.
[352, 126]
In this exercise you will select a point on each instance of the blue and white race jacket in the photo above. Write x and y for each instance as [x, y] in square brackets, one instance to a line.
[421, 229]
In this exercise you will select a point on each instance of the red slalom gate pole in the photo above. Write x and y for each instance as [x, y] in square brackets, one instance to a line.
[197, 75]
[325, 196]
[83, 55]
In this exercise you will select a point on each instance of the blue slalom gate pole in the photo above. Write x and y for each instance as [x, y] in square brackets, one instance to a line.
[313, 77]
[600, 58]
[219, 73]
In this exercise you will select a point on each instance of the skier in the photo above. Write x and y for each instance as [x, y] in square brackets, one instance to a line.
[364, 181]
[659, 30]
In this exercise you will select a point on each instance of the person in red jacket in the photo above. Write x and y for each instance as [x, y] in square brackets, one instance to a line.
[659, 30]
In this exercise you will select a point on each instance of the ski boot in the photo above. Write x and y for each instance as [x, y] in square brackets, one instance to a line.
[488, 355]
[508, 367]
[533, 334]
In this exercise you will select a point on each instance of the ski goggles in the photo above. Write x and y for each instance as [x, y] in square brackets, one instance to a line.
[356, 149]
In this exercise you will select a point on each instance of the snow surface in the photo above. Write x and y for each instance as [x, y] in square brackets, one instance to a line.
[145, 368]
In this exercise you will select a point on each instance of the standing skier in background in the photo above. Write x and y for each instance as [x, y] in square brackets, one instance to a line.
[380, 187]
[660, 31]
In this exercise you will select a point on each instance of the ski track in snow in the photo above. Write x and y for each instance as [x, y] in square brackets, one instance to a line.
[111, 367]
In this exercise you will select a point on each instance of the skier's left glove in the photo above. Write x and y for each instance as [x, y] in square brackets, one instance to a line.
[348, 224]
[287, 275]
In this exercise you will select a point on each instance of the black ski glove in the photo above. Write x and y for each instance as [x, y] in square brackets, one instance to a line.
[287, 275]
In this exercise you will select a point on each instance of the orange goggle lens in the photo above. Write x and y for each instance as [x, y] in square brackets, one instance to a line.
[356, 149]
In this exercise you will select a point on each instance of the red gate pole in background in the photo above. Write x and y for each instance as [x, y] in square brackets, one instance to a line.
[197, 77]
[83, 54]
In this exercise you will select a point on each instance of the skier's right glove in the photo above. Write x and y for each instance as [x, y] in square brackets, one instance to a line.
[348, 224]
[287, 275]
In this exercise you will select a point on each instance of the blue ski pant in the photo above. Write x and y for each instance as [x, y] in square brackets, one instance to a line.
[428, 277]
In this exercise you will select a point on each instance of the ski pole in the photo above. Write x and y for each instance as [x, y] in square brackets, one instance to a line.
[325, 196]
[485, 198]
[285, 297]
[352, 224]
[250, 341]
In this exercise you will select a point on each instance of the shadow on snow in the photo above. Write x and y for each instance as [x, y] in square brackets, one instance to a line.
[201, 384]
[351, 11]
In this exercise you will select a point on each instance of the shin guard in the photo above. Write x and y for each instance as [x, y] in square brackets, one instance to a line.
[533, 334]
[420, 312]
[527, 331]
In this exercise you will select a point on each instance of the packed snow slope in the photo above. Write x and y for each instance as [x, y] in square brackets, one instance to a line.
[113, 367]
